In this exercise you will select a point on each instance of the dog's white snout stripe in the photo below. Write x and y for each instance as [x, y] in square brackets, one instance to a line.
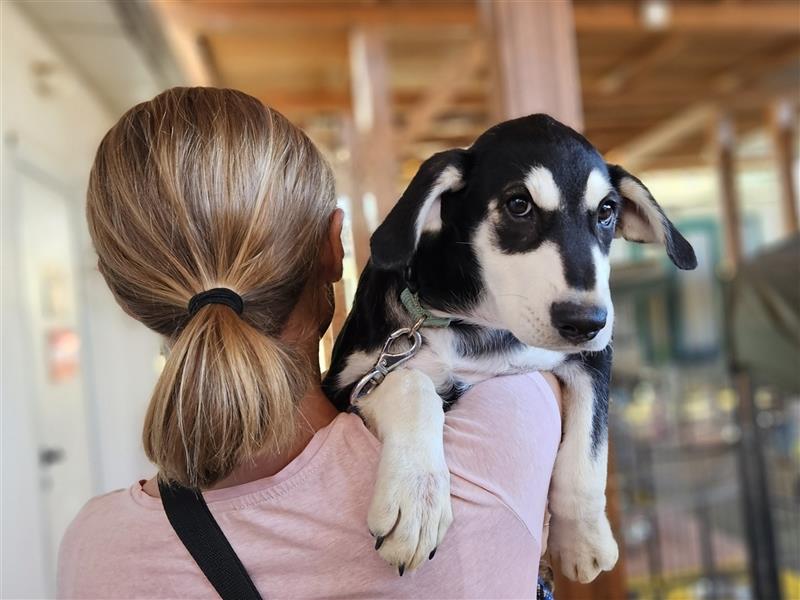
[543, 189]
[597, 188]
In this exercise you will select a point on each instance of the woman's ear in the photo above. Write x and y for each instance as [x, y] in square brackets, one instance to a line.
[332, 251]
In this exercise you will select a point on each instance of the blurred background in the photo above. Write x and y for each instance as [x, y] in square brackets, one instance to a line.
[699, 99]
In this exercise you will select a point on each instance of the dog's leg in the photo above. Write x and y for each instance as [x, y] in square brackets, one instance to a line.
[580, 535]
[410, 510]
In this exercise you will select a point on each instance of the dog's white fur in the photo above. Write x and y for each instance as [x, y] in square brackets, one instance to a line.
[580, 535]
[412, 490]
[429, 217]
[645, 223]
[542, 188]
[597, 187]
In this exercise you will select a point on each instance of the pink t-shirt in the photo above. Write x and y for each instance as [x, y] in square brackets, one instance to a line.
[303, 533]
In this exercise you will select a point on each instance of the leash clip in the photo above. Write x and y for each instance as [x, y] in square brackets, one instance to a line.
[388, 361]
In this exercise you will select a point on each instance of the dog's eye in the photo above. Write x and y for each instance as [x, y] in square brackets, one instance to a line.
[606, 213]
[519, 206]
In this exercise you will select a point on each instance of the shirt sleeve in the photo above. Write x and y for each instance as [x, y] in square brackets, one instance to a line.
[502, 437]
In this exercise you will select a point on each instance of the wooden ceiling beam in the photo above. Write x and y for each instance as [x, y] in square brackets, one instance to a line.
[651, 142]
[700, 160]
[308, 101]
[774, 16]
[621, 76]
[304, 101]
[226, 16]
[441, 95]
[724, 91]
[408, 100]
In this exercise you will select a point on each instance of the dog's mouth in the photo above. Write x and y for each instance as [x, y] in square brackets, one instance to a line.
[555, 341]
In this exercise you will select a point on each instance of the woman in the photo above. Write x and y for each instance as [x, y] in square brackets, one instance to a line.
[204, 189]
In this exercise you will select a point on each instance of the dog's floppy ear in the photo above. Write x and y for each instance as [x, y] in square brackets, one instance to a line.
[418, 210]
[642, 220]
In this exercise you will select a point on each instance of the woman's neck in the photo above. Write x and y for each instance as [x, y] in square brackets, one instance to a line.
[314, 412]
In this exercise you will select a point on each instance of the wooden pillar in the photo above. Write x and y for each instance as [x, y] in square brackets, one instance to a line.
[356, 186]
[535, 63]
[783, 130]
[725, 146]
[372, 148]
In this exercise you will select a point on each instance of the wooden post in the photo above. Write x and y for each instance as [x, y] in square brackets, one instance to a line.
[375, 165]
[783, 129]
[535, 59]
[725, 145]
[359, 228]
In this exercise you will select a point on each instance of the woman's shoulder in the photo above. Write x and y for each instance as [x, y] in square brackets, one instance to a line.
[502, 436]
[96, 515]
[524, 392]
[86, 539]
[120, 507]
[108, 535]
[104, 522]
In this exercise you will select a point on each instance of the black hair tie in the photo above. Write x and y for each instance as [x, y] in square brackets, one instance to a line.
[216, 296]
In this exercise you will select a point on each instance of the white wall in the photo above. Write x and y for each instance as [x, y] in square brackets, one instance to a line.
[53, 123]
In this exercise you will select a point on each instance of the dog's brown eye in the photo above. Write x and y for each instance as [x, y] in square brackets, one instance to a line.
[519, 206]
[606, 212]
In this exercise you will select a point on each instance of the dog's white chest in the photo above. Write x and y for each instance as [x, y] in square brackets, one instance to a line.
[443, 361]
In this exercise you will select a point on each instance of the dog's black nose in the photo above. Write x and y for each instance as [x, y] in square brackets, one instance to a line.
[577, 323]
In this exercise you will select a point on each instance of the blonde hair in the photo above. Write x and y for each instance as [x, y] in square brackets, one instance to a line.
[201, 188]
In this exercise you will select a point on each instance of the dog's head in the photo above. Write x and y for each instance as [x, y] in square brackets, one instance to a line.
[514, 233]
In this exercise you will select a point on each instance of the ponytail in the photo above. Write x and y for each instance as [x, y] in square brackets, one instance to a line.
[227, 392]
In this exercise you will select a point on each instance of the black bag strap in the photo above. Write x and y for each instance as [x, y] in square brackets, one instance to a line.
[189, 516]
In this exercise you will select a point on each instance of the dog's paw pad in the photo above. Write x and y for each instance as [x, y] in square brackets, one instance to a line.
[584, 548]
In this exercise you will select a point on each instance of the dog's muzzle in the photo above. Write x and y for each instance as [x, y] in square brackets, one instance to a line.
[577, 323]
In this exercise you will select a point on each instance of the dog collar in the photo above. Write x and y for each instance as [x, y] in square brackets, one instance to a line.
[411, 302]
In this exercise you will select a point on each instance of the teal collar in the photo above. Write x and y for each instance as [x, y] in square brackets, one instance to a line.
[411, 302]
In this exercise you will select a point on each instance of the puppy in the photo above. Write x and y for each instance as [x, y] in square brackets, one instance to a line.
[503, 250]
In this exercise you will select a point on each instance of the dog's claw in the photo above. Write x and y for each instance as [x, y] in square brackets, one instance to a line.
[401, 569]
[430, 556]
[378, 542]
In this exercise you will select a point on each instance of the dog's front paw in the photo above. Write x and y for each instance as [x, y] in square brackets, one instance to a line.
[583, 547]
[410, 510]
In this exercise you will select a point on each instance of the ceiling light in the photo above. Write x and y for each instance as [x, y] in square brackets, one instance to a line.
[656, 14]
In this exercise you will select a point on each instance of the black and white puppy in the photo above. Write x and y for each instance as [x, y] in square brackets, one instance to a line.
[510, 238]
